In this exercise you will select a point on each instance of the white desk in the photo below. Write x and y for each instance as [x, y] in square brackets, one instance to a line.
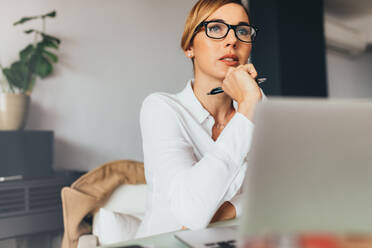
[167, 240]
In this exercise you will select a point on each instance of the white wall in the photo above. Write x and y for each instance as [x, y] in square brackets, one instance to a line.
[113, 54]
[349, 76]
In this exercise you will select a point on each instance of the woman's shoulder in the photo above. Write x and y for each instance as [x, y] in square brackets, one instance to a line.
[159, 96]
[160, 110]
[159, 101]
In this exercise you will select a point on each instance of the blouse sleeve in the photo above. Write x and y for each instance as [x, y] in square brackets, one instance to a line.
[236, 201]
[194, 189]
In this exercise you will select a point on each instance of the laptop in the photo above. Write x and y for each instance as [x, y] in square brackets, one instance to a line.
[310, 169]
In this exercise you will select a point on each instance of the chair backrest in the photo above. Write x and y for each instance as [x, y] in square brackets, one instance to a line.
[91, 191]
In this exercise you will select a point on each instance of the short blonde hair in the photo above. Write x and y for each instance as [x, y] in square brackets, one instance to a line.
[200, 12]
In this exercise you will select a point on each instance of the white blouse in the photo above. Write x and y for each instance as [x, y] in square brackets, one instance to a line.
[188, 173]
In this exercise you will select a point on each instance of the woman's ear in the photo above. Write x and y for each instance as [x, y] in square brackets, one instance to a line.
[189, 53]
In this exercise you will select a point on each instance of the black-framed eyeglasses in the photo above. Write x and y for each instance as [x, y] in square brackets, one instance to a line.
[219, 30]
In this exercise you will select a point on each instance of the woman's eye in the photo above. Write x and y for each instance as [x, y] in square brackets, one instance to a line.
[214, 28]
[243, 31]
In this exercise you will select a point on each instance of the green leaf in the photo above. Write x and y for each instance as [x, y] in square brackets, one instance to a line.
[50, 56]
[40, 65]
[9, 76]
[47, 43]
[18, 74]
[44, 68]
[24, 19]
[27, 52]
[34, 61]
[50, 14]
[51, 38]
[29, 31]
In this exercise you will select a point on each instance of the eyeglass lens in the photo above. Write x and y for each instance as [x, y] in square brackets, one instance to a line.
[218, 30]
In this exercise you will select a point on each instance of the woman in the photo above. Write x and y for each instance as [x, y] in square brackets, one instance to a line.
[195, 145]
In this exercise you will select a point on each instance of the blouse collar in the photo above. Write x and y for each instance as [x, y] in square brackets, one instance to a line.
[190, 101]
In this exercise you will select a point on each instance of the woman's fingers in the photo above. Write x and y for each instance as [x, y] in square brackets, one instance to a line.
[249, 68]
[239, 83]
[229, 71]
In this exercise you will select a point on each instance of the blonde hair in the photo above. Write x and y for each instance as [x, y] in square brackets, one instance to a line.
[200, 12]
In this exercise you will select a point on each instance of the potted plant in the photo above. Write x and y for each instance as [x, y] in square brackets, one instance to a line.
[35, 61]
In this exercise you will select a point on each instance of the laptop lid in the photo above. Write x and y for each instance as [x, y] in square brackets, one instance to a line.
[310, 168]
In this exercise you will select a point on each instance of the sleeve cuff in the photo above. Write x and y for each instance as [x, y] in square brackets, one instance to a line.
[264, 97]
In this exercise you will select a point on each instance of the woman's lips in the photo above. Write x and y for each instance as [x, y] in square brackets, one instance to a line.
[230, 62]
[230, 59]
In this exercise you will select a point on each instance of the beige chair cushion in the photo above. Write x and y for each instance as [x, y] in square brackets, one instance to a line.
[91, 191]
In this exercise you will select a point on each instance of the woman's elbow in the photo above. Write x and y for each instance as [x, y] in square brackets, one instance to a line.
[193, 214]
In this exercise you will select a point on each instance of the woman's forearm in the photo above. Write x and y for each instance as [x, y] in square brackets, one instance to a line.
[247, 108]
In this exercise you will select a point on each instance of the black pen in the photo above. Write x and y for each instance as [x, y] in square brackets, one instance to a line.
[220, 90]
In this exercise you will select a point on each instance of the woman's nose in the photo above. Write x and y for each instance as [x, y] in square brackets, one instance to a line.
[230, 39]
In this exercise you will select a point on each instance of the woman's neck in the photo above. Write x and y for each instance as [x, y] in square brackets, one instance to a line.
[220, 106]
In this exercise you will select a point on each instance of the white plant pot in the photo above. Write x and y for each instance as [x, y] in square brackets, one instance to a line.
[13, 111]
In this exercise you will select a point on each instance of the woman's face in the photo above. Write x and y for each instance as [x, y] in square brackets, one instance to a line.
[207, 52]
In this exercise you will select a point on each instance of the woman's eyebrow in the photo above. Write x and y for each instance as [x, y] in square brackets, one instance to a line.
[222, 20]
[243, 23]
[218, 20]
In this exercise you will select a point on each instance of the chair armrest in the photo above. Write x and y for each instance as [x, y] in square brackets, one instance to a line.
[87, 241]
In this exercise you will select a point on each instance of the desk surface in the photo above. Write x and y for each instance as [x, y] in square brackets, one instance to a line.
[166, 240]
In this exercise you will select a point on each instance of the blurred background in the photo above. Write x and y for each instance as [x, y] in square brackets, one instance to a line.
[114, 53]
[349, 73]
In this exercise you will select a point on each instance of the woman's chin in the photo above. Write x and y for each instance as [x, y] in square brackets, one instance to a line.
[224, 69]
[219, 74]
[223, 74]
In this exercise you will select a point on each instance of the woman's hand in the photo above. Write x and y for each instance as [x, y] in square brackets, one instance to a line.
[225, 212]
[240, 85]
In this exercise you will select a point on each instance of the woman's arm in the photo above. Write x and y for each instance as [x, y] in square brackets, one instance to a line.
[240, 85]
[194, 189]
